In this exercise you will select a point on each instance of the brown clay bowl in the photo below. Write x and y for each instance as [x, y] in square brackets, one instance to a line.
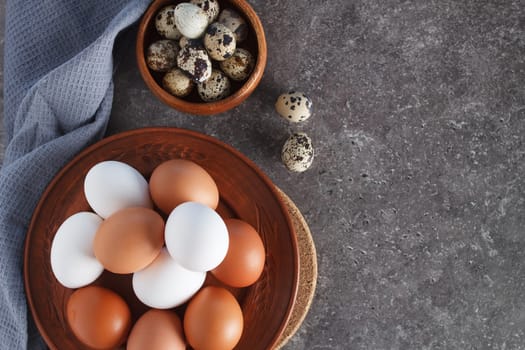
[255, 43]
[245, 193]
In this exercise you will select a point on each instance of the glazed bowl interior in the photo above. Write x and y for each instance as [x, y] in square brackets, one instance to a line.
[255, 43]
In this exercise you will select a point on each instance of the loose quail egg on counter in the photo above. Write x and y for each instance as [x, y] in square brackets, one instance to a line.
[165, 23]
[239, 66]
[219, 41]
[211, 7]
[195, 62]
[190, 20]
[231, 19]
[177, 83]
[294, 106]
[161, 56]
[215, 88]
[298, 153]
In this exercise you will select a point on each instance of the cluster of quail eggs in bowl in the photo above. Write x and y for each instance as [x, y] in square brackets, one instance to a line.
[201, 56]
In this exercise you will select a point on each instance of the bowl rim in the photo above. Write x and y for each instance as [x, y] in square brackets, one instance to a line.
[204, 108]
[92, 148]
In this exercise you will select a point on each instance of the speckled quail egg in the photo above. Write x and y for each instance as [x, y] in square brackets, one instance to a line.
[193, 42]
[215, 88]
[298, 152]
[231, 19]
[177, 83]
[194, 60]
[239, 66]
[219, 41]
[294, 106]
[211, 7]
[161, 56]
[165, 23]
[190, 19]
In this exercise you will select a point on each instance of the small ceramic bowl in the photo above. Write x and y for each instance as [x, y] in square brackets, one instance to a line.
[255, 43]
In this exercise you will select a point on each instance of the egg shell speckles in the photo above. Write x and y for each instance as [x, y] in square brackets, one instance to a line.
[165, 23]
[298, 152]
[239, 66]
[294, 106]
[219, 41]
[235, 22]
[192, 42]
[211, 7]
[215, 88]
[177, 83]
[161, 56]
[195, 62]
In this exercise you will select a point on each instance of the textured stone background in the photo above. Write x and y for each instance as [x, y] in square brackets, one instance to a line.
[416, 196]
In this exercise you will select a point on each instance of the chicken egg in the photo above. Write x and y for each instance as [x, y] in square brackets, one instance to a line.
[196, 236]
[176, 181]
[213, 320]
[157, 330]
[165, 284]
[129, 240]
[98, 317]
[72, 259]
[112, 185]
[244, 261]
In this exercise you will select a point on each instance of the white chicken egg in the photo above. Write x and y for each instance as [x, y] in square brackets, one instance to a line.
[165, 284]
[72, 259]
[112, 185]
[196, 236]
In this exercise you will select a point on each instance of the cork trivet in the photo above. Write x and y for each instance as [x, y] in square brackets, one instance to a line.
[307, 271]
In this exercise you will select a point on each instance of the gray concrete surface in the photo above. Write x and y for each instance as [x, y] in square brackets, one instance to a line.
[416, 196]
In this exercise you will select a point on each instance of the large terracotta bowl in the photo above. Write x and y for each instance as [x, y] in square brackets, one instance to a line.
[255, 43]
[245, 193]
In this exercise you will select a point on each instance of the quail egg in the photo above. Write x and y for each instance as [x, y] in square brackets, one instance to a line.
[239, 66]
[215, 88]
[298, 152]
[161, 56]
[294, 106]
[194, 60]
[190, 19]
[211, 7]
[177, 83]
[193, 42]
[235, 22]
[219, 41]
[165, 23]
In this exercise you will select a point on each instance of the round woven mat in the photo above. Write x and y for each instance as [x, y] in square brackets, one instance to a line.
[307, 271]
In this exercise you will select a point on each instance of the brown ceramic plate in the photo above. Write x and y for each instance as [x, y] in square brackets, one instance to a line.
[245, 193]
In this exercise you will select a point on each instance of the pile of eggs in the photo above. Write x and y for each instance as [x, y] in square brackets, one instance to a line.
[200, 47]
[127, 233]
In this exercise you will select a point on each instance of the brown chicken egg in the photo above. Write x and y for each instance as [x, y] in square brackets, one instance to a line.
[157, 330]
[129, 240]
[244, 261]
[213, 320]
[176, 181]
[98, 317]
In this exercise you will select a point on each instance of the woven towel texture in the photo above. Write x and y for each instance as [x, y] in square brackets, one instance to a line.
[57, 100]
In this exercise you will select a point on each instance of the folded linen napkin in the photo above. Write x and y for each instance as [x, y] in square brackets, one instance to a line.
[58, 92]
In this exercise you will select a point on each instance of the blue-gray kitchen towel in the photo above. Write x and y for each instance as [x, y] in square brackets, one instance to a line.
[58, 91]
